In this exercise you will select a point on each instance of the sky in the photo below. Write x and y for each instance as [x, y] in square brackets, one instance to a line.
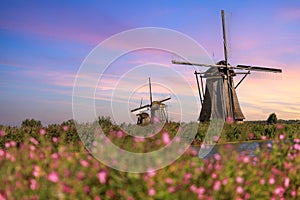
[44, 43]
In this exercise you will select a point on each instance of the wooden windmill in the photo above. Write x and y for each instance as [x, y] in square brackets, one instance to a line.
[224, 72]
[158, 111]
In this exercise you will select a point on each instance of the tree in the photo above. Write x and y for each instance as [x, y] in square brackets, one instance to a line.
[272, 119]
[31, 123]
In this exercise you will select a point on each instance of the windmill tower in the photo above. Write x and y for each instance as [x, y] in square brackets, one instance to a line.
[158, 111]
[219, 77]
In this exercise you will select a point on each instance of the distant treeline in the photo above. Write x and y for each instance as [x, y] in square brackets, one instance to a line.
[279, 121]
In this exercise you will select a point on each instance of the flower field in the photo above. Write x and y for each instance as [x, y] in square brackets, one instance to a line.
[51, 163]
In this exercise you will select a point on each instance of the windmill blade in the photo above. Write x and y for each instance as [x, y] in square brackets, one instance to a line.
[196, 64]
[142, 107]
[150, 91]
[163, 100]
[224, 38]
[256, 68]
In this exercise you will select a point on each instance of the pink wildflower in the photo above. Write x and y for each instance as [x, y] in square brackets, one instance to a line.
[36, 171]
[53, 177]
[54, 156]
[279, 191]
[246, 159]
[151, 172]
[230, 120]
[102, 176]
[2, 133]
[120, 134]
[286, 182]
[169, 180]
[80, 175]
[55, 139]
[187, 176]
[297, 147]
[84, 163]
[269, 145]
[42, 131]
[87, 189]
[97, 198]
[216, 138]
[214, 175]
[65, 128]
[239, 179]
[262, 181]
[282, 136]
[217, 156]
[7, 145]
[2, 153]
[279, 126]
[217, 185]
[293, 193]
[225, 181]
[67, 189]
[263, 137]
[193, 188]
[151, 192]
[239, 190]
[201, 190]
[171, 189]
[31, 147]
[247, 196]
[271, 181]
[251, 136]
[34, 141]
[13, 143]
[139, 139]
[166, 138]
[33, 184]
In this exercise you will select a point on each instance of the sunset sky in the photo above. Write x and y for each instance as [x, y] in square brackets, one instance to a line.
[43, 44]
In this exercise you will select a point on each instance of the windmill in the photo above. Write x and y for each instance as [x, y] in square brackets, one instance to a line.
[224, 72]
[158, 111]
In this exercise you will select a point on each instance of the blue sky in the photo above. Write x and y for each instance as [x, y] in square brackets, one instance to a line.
[44, 43]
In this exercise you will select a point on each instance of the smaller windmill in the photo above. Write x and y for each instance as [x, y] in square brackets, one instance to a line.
[158, 110]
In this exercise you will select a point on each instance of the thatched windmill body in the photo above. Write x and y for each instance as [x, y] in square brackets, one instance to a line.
[158, 110]
[219, 79]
